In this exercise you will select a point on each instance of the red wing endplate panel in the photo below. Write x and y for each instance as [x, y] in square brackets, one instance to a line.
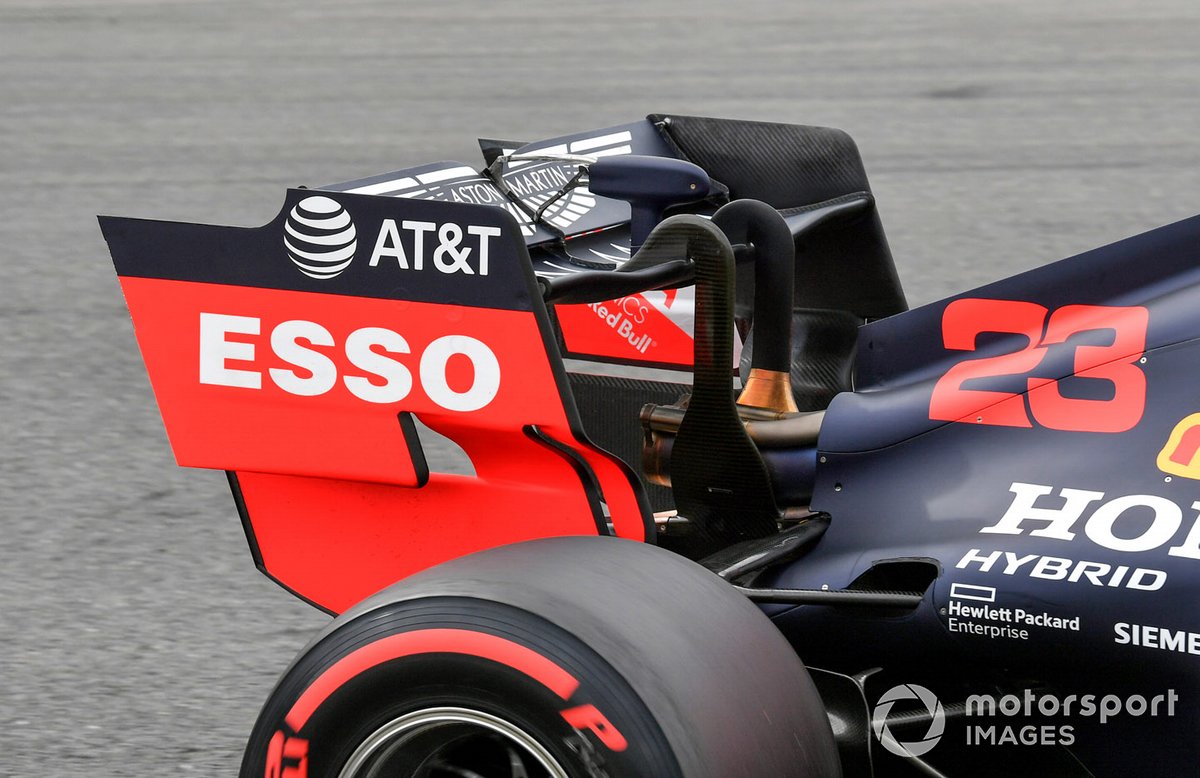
[653, 327]
[311, 384]
[296, 355]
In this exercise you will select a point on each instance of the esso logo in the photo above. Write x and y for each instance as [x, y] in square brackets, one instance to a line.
[376, 354]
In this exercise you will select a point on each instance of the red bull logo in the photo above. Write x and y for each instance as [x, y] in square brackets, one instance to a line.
[626, 316]
[1180, 455]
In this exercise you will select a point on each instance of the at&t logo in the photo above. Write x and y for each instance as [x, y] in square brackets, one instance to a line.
[320, 237]
[882, 725]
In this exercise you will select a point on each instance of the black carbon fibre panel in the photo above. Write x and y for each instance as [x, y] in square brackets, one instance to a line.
[609, 407]
[822, 356]
[791, 166]
[785, 165]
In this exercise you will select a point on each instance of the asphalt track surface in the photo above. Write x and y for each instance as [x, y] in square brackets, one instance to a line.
[137, 637]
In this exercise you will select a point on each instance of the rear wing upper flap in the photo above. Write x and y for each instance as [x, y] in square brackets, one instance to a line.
[341, 244]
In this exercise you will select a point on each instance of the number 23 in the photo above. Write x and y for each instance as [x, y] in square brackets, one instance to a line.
[965, 319]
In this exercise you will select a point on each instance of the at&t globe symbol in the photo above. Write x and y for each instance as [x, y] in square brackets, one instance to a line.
[319, 237]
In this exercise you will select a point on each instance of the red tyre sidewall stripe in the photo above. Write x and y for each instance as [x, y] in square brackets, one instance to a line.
[429, 641]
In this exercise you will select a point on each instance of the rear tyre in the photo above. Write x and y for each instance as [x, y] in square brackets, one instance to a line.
[559, 657]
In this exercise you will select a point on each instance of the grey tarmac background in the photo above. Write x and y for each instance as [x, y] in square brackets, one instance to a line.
[136, 637]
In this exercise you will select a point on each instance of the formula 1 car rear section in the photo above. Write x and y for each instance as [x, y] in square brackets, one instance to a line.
[730, 507]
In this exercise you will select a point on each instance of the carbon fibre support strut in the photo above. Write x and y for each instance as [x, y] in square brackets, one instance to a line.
[834, 597]
[719, 480]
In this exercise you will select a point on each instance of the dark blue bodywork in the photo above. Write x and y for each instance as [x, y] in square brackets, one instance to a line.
[898, 484]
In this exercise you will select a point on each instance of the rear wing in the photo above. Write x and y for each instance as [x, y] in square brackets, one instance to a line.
[522, 187]
[297, 355]
[576, 230]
